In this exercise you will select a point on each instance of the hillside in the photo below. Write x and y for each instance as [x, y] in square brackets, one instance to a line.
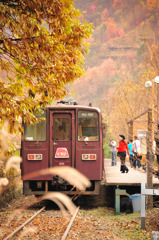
[117, 46]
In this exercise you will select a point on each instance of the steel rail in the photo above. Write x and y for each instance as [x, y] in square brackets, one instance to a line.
[21, 226]
[70, 224]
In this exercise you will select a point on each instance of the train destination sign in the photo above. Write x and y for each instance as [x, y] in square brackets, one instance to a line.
[61, 153]
[87, 114]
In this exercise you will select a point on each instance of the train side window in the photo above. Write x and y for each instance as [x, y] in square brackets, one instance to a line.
[88, 126]
[37, 131]
[62, 129]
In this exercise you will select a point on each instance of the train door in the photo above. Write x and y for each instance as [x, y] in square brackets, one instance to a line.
[61, 136]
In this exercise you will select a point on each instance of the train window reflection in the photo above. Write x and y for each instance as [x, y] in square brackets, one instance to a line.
[88, 126]
[62, 129]
[37, 131]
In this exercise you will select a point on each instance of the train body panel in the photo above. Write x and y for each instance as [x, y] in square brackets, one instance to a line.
[65, 136]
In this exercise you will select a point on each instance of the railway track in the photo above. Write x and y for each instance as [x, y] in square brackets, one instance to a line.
[70, 224]
[24, 224]
[35, 215]
[83, 201]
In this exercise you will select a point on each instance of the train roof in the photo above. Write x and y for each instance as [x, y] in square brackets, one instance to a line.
[72, 107]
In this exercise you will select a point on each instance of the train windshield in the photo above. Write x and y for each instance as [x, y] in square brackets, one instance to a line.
[62, 129]
[37, 131]
[88, 126]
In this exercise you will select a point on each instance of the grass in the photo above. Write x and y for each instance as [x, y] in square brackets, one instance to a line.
[126, 226]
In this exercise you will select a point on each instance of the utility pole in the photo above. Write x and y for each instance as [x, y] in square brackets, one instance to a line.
[158, 113]
[149, 156]
[157, 103]
[152, 130]
[130, 130]
[150, 136]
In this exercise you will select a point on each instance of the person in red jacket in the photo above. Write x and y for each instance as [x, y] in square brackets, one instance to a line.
[122, 149]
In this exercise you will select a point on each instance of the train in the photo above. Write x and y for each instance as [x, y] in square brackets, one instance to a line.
[65, 135]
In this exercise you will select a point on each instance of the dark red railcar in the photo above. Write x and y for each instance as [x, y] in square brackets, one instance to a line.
[66, 135]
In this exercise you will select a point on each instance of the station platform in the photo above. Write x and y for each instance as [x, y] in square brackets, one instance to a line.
[134, 177]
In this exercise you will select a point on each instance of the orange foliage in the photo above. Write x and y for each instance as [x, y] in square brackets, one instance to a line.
[93, 83]
[93, 8]
[104, 15]
[111, 30]
[130, 56]
[152, 4]
[117, 3]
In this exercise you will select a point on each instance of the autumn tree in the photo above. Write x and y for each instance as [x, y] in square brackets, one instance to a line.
[153, 52]
[134, 11]
[90, 88]
[104, 15]
[153, 8]
[127, 100]
[42, 48]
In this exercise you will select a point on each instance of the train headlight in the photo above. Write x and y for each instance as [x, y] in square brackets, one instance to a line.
[33, 157]
[91, 157]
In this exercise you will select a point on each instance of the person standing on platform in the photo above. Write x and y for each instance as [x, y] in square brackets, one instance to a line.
[130, 152]
[112, 144]
[136, 149]
[122, 149]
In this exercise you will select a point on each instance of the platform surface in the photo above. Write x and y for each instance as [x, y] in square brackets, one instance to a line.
[113, 176]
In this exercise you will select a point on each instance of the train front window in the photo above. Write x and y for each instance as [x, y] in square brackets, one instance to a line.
[88, 126]
[62, 127]
[37, 131]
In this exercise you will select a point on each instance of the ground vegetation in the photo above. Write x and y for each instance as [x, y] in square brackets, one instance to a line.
[99, 222]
